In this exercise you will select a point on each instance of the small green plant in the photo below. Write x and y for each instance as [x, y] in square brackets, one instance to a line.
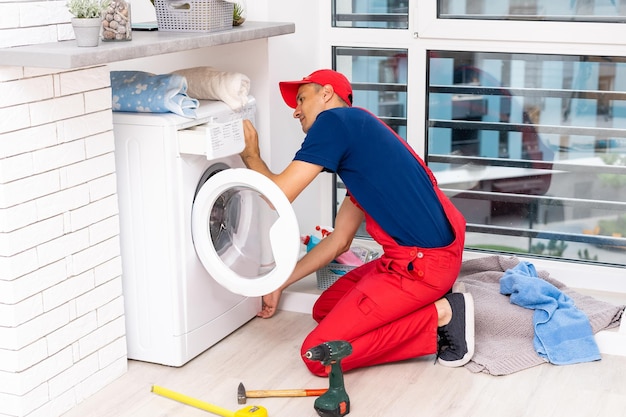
[613, 180]
[87, 9]
[238, 14]
[554, 248]
[584, 254]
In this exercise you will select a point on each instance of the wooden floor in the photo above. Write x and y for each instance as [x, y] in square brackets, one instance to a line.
[264, 354]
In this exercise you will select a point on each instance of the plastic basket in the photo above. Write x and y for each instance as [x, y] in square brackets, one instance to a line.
[327, 275]
[194, 15]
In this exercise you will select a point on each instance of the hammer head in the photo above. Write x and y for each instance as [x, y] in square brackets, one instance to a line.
[241, 394]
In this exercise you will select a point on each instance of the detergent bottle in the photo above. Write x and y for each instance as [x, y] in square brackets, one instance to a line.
[310, 241]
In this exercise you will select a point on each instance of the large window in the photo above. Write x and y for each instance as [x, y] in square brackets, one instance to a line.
[532, 149]
[517, 106]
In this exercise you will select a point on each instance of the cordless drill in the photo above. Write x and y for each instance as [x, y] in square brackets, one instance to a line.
[335, 401]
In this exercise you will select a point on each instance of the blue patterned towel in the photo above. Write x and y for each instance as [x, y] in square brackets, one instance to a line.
[563, 334]
[138, 91]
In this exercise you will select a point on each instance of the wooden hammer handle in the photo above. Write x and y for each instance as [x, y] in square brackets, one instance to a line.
[285, 393]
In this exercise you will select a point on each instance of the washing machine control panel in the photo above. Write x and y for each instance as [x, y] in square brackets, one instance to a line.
[218, 140]
[220, 136]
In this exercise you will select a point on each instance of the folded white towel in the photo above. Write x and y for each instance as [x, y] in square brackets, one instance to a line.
[208, 83]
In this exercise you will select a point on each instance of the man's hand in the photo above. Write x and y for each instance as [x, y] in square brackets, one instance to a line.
[251, 150]
[270, 304]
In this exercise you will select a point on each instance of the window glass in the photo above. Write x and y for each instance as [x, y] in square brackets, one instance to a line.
[553, 10]
[378, 78]
[382, 14]
[532, 149]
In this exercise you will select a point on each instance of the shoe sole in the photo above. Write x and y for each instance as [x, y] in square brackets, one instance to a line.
[469, 334]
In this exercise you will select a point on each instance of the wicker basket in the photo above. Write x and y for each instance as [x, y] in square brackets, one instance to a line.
[327, 275]
[194, 15]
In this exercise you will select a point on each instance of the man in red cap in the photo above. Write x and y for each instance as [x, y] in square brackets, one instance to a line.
[399, 306]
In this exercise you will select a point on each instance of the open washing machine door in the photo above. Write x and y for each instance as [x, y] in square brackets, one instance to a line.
[245, 232]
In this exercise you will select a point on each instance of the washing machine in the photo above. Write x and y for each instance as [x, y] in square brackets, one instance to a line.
[201, 236]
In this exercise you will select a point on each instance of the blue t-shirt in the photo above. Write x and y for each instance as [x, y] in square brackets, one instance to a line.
[380, 173]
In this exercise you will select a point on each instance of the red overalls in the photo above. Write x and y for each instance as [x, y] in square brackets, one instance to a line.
[385, 308]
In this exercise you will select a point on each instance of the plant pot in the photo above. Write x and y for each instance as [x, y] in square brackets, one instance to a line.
[87, 31]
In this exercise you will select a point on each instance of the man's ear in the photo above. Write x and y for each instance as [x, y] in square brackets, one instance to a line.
[328, 92]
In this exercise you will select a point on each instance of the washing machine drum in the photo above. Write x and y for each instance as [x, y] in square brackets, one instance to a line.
[245, 231]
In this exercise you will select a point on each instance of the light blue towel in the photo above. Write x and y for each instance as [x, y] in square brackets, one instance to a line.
[563, 334]
[138, 91]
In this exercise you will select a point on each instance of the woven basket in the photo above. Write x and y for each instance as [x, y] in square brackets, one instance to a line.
[327, 275]
[194, 15]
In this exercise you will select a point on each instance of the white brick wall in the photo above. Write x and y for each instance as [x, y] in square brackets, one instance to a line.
[62, 334]
[26, 22]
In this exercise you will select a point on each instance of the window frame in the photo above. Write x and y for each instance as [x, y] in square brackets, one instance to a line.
[426, 32]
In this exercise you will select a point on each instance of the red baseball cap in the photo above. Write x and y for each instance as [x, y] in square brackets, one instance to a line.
[341, 85]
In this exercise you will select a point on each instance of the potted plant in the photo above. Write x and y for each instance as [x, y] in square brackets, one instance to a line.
[87, 20]
[239, 13]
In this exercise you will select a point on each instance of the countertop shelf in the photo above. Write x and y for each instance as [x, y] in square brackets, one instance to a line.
[66, 55]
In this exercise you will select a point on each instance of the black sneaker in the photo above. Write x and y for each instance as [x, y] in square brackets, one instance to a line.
[456, 339]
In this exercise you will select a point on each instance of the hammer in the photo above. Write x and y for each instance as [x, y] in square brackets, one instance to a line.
[243, 395]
